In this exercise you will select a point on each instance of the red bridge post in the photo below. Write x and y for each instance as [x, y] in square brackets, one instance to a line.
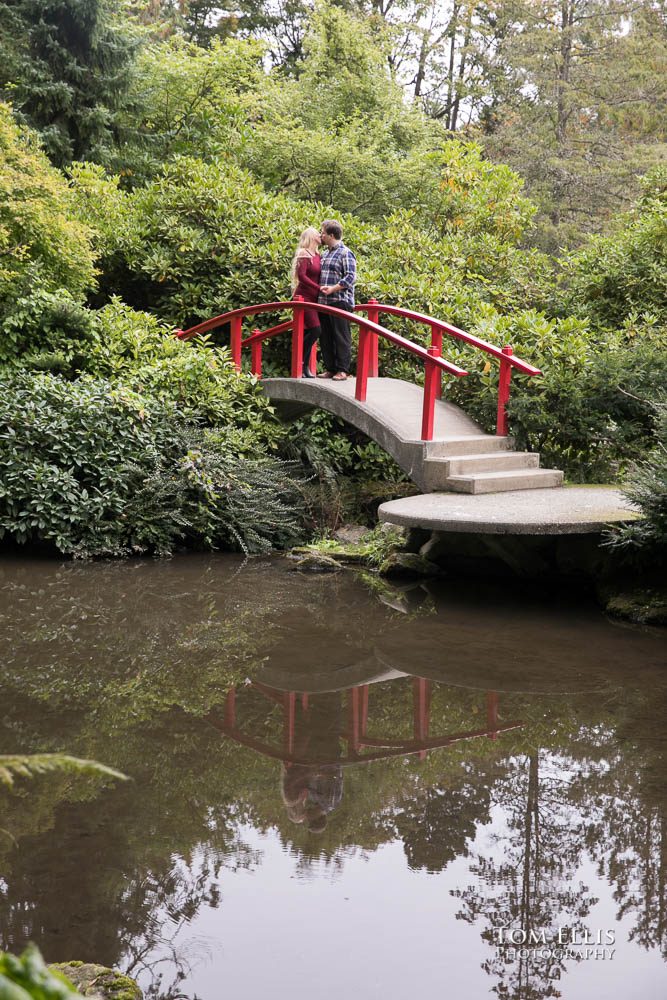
[297, 340]
[256, 355]
[235, 340]
[431, 378]
[504, 380]
[436, 341]
[363, 360]
[373, 362]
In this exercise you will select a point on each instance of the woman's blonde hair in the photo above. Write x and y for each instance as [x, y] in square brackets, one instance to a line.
[306, 236]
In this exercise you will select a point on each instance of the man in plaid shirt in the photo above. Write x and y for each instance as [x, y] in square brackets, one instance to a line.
[339, 273]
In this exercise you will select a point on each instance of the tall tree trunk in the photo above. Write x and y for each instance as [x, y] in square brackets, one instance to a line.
[562, 85]
[451, 86]
[462, 68]
[421, 66]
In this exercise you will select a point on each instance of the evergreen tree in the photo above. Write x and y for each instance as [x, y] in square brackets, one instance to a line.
[65, 66]
[579, 114]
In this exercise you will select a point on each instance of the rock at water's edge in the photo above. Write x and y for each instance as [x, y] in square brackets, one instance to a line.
[408, 564]
[351, 534]
[316, 562]
[99, 983]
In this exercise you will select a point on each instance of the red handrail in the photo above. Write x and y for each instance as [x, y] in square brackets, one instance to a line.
[507, 359]
[369, 331]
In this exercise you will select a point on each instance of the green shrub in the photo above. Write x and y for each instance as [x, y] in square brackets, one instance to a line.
[617, 276]
[196, 376]
[593, 420]
[28, 978]
[47, 331]
[93, 468]
[43, 248]
[647, 489]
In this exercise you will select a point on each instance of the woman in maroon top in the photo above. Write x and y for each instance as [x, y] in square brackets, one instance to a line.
[305, 276]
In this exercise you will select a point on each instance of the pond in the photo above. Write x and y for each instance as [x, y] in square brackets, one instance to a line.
[339, 788]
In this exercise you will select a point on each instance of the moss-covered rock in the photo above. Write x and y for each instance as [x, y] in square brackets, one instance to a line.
[317, 562]
[99, 983]
[408, 564]
[645, 607]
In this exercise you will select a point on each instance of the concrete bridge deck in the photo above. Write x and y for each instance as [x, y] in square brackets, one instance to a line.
[460, 457]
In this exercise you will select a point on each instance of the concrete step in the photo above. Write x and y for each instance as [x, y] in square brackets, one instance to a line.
[471, 444]
[437, 472]
[501, 482]
[495, 461]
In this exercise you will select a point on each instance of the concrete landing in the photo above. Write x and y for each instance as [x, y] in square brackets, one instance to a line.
[566, 511]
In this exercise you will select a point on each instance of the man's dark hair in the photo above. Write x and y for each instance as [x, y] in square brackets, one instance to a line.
[332, 228]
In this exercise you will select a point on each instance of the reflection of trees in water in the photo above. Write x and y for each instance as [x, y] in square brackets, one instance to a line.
[625, 795]
[531, 889]
[158, 952]
[119, 876]
[437, 824]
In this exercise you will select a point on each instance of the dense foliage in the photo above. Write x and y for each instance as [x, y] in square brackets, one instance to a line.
[647, 490]
[66, 65]
[95, 468]
[45, 253]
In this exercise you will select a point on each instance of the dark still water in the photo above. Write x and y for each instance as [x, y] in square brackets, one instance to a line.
[339, 789]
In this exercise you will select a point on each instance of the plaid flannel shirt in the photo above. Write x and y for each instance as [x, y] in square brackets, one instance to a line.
[339, 267]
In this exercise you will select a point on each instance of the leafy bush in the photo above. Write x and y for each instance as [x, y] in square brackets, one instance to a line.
[196, 376]
[43, 248]
[28, 978]
[593, 419]
[647, 489]
[94, 468]
[47, 331]
[615, 277]
[328, 444]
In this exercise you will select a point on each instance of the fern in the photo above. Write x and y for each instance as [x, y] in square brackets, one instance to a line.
[29, 765]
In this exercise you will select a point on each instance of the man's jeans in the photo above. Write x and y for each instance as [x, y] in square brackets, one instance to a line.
[336, 341]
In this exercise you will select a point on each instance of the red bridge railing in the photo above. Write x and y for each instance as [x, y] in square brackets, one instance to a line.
[368, 328]
[508, 361]
[370, 331]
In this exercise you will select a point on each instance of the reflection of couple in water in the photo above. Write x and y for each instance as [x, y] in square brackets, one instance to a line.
[311, 791]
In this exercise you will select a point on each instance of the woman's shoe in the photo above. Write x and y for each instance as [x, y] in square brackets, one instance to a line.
[340, 377]
[326, 375]
[307, 373]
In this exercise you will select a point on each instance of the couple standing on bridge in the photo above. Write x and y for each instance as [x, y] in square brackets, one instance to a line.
[328, 279]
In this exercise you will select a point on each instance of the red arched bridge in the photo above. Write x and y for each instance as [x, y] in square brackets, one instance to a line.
[434, 442]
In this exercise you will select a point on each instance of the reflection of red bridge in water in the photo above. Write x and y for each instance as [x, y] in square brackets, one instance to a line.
[355, 732]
